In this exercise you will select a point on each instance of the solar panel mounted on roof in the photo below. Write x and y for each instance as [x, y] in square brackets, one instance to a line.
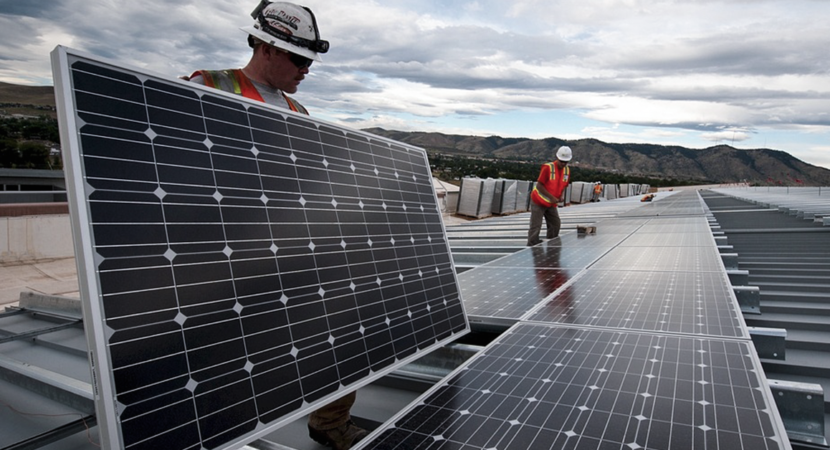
[240, 264]
[545, 387]
[697, 224]
[700, 303]
[502, 295]
[669, 239]
[685, 259]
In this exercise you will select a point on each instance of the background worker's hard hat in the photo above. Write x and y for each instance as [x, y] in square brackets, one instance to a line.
[289, 27]
[564, 153]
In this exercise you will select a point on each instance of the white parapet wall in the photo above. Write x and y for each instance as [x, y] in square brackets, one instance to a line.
[35, 237]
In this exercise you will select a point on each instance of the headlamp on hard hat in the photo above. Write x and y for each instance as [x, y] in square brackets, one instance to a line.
[317, 45]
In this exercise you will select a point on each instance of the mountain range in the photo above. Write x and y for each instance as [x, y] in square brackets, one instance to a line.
[717, 164]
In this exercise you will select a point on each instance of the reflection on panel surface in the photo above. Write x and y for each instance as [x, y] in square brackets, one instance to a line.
[552, 256]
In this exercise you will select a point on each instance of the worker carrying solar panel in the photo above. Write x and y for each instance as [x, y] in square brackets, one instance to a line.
[547, 193]
[285, 40]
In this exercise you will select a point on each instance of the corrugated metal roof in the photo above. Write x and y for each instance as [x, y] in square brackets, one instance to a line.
[788, 258]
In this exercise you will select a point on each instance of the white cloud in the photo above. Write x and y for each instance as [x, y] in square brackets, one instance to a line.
[695, 68]
[726, 136]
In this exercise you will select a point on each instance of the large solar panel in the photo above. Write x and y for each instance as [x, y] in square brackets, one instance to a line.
[557, 387]
[700, 303]
[239, 264]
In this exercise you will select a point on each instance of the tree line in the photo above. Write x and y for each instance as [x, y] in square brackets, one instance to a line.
[454, 168]
[25, 143]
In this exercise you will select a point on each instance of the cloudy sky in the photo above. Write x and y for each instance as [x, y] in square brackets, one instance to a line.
[696, 73]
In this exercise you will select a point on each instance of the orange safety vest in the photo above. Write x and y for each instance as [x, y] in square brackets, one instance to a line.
[554, 184]
[234, 80]
[598, 189]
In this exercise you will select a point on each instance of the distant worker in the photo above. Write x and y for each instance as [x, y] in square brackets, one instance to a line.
[647, 198]
[285, 41]
[547, 193]
[597, 192]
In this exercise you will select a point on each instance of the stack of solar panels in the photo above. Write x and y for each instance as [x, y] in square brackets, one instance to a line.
[476, 197]
[628, 339]
[581, 192]
[504, 196]
[523, 188]
[240, 265]
[611, 191]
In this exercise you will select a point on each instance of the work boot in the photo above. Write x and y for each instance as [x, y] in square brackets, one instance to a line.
[340, 438]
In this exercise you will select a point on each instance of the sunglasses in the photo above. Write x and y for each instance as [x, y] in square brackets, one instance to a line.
[300, 61]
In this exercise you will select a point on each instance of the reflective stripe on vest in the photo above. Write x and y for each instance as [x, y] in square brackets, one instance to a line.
[536, 190]
[566, 172]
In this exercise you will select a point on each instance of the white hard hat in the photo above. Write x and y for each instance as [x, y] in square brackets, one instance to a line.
[289, 27]
[564, 153]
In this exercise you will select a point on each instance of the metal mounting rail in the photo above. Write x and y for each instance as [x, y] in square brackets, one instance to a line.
[38, 332]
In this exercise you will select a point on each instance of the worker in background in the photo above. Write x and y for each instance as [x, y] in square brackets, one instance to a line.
[285, 40]
[597, 192]
[547, 193]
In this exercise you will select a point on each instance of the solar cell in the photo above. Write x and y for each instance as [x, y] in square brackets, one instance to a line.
[539, 386]
[240, 264]
[700, 303]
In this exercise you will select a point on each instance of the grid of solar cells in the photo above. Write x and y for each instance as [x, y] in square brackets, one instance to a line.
[677, 225]
[619, 226]
[699, 303]
[508, 292]
[669, 239]
[550, 254]
[684, 259]
[663, 207]
[556, 387]
[246, 264]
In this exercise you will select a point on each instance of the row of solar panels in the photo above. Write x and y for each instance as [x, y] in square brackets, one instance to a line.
[629, 338]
